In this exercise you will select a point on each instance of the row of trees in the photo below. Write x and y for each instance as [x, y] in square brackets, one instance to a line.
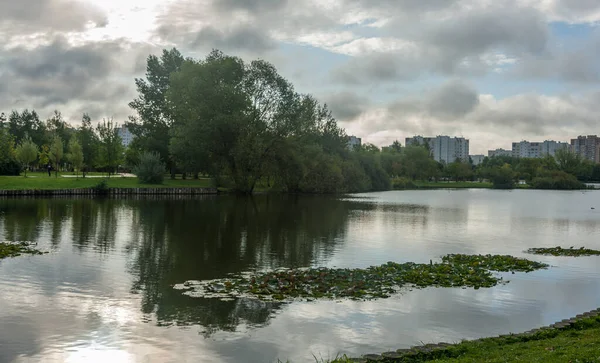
[26, 143]
[243, 124]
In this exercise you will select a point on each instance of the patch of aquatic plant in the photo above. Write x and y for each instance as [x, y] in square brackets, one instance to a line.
[17, 249]
[502, 263]
[362, 284]
[559, 251]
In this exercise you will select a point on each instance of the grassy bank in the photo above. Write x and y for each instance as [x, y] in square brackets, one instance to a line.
[578, 342]
[43, 181]
[461, 185]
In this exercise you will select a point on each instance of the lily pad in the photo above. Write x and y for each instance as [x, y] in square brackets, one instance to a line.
[362, 284]
[559, 251]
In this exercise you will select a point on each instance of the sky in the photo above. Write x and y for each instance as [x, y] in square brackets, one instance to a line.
[491, 71]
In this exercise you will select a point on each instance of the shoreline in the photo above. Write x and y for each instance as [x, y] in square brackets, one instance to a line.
[453, 350]
[108, 191]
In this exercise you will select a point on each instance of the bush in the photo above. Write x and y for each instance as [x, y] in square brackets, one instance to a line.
[102, 187]
[150, 169]
[403, 183]
[557, 180]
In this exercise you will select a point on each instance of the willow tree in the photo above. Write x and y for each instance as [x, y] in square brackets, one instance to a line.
[237, 118]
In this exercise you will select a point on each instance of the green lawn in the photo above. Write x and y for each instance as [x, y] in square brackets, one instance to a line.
[578, 343]
[42, 181]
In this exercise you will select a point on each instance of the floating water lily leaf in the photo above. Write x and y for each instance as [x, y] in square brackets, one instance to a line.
[559, 251]
[363, 284]
[17, 249]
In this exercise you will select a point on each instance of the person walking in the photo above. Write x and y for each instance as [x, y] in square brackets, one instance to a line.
[49, 169]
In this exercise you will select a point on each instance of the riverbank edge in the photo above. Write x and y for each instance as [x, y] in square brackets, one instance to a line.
[108, 191]
[443, 350]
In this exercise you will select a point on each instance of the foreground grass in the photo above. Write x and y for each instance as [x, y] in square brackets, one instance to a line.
[41, 181]
[17, 249]
[578, 343]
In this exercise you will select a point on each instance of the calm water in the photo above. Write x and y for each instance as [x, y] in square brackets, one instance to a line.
[104, 293]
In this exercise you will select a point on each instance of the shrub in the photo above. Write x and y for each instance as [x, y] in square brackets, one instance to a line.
[102, 187]
[403, 183]
[557, 180]
[150, 169]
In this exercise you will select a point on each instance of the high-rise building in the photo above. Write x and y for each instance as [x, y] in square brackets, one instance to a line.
[526, 149]
[443, 148]
[354, 141]
[126, 135]
[587, 147]
[499, 152]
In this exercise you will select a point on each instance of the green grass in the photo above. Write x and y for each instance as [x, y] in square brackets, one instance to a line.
[578, 343]
[43, 181]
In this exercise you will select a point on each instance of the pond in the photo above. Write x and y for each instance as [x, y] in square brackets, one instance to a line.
[105, 290]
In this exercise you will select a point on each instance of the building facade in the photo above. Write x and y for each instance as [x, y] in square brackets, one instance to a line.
[587, 147]
[354, 141]
[126, 135]
[477, 159]
[526, 149]
[499, 152]
[443, 148]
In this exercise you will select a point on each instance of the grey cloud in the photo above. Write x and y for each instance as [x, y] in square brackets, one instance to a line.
[478, 31]
[346, 105]
[453, 99]
[59, 75]
[30, 16]
[251, 5]
[248, 38]
[375, 68]
[575, 63]
[576, 8]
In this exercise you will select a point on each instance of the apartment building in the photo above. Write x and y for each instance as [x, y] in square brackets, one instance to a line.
[443, 148]
[587, 147]
[126, 135]
[526, 149]
[354, 141]
[477, 159]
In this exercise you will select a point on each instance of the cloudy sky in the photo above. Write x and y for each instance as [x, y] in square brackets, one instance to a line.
[491, 71]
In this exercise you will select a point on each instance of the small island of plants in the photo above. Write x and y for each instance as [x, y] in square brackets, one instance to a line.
[559, 251]
[17, 249]
[374, 282]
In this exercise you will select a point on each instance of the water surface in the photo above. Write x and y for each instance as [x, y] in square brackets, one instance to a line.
[104, 293]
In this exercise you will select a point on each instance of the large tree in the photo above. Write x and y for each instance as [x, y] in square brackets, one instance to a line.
[152, 124]
[233, 117]
[27, 123]
[111, 146]
[26, 153]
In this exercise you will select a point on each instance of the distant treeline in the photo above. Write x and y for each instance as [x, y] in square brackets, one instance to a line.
[244, 125]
